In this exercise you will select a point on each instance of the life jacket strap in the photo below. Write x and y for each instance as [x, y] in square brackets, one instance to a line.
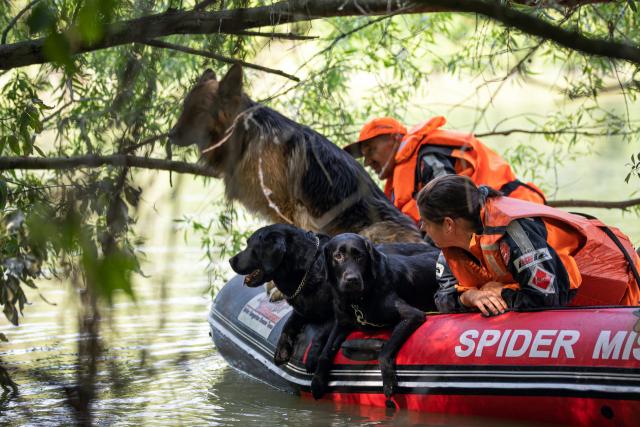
[512, 186]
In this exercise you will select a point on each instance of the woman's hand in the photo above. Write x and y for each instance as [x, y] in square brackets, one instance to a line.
[495, 287]
[484, 300]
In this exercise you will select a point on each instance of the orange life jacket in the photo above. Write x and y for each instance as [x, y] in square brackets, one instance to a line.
[473, 159]
[603, 277]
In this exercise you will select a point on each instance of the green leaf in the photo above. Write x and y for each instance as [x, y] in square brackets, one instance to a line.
[58, 49]
[39, 150]
[632, 5]
[15, 146]
[41, 104]
[3, 337]
[3, 194]
[26, 146]
[627, 178]
[3, 141]
[41, 18]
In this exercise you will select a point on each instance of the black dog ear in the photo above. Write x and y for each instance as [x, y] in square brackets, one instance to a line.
[375, 258]
[322, 264]
[272, 254]
[208, 74]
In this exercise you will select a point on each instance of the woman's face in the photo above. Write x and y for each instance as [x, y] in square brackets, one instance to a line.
[440, 232]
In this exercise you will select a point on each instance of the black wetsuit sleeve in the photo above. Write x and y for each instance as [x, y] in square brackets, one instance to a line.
[447, 297]
[535, 265]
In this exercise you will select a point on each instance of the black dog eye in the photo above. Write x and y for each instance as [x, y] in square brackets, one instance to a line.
[338, 256]
[358, 257]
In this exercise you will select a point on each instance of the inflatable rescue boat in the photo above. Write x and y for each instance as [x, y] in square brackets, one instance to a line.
[571, 366]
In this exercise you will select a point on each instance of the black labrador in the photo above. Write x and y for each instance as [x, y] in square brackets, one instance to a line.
[287, 256]
[372, 289]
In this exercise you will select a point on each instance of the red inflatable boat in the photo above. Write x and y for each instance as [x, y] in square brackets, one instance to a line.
[578, 366]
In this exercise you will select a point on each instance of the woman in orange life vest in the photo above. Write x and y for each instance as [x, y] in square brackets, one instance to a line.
[409, 160]
[499, 252]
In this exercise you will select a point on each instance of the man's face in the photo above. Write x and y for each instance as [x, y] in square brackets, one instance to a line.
[378, 151]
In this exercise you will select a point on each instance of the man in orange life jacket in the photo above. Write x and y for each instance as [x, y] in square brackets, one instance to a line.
[409, 160]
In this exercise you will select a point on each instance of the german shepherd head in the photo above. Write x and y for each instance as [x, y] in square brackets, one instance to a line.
[208, 113]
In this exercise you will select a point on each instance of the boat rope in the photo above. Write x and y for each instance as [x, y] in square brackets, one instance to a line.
[304, 279]
[360, 317]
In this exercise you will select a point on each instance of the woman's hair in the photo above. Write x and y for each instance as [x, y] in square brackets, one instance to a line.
[453, 196]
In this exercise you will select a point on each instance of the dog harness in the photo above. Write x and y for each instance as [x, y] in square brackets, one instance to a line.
[304, 279]
[427, 151]
[360, 317]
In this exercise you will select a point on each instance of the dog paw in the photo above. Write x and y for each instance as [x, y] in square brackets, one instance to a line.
[283, 354]
[276, 296]
[311, 364]
[313, 356]
[389, 384]
[269, 286]
[318, 386]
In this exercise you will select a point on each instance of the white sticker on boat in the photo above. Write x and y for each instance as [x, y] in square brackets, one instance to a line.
[261, 315]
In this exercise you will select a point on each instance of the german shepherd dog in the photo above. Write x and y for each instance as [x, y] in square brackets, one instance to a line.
[280, 169]
[373, 289]
[289, 256]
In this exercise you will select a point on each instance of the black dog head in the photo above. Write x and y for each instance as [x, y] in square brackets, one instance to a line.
[351, 262]
[262, 256]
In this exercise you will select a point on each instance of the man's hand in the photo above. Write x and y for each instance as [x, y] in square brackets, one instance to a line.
[484, 300]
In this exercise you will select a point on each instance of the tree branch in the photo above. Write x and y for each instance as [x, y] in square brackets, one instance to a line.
[286, 12]
[165, 45]
[14, 20]
[538, 27]
[119, 160]
[286, 36]
[548, 132]
[594, 204]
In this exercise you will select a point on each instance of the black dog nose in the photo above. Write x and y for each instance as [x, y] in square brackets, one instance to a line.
[351, 279]
[233, 261]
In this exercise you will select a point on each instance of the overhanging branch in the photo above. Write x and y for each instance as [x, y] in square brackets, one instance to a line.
[165, 45]
[593, 204]
[118, 160]
[121, 160]
[287, 12]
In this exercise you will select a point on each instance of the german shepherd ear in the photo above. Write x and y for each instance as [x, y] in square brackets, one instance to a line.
[272, 254]
[208, 74]
[375, 258]
[231, 83]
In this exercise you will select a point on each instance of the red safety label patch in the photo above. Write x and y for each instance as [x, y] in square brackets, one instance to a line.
[542, 280]
[506, 252]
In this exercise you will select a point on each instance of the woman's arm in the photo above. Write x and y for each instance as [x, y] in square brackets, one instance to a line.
[447, 297]
[535, 265]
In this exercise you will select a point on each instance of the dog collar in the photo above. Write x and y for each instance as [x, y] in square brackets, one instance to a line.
[304, 279]
[360, 317]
